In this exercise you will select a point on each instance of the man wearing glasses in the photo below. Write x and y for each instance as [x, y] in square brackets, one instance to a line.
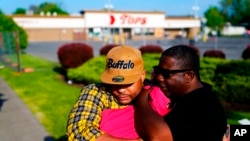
[196, 112]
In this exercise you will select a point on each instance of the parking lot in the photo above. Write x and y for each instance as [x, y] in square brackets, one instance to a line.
[232, 47]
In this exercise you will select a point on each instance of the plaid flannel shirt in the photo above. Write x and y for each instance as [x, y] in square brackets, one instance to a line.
[84, 118]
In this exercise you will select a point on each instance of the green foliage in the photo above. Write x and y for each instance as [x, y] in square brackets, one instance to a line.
[88, 72]
[8, 25]
[234, 116]
[50, 7]
[20, 11]
[214, 18]
[150, 60]
[43, 92]
[236, 11]
[240, 11]
[208, 67]
[232, 81]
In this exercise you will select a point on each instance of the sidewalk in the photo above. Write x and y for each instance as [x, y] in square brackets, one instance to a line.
[17, 121]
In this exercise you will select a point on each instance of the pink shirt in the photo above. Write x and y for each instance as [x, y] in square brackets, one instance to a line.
[120, 122]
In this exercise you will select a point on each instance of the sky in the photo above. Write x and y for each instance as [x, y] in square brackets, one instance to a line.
[170, 7]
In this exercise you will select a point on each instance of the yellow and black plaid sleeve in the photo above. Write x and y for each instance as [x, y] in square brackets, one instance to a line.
[84, 118]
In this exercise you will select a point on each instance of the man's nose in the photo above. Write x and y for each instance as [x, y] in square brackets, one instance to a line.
[159, 77]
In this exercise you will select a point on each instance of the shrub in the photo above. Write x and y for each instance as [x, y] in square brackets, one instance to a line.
[232, 81]
[208, 67]
[94, 66]
[73, 55]
[150, 60]
[151, 49]
[246, 53]
[105, 49]
[214, 54]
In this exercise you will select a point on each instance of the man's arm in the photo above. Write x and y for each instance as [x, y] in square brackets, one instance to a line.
[84, 119]
[150, 125]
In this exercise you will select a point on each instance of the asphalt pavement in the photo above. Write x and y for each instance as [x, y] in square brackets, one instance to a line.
[232, 47]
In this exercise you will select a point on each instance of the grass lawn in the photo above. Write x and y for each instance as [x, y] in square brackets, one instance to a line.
[50, 98]
[44, 92]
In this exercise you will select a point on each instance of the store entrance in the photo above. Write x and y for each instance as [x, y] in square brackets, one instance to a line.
[127, 32]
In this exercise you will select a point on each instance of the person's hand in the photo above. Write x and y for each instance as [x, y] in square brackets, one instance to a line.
[144, 94]
[226, 136]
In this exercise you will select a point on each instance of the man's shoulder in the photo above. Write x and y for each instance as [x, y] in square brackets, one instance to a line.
[97, 87]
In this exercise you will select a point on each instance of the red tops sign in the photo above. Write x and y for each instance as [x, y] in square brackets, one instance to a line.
[129, 19]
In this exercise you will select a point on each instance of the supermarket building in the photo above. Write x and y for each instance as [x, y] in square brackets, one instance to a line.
[102, 24]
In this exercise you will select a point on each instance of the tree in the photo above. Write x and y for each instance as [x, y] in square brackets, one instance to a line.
[50, 7]
[236, 11]
[214, 18]
[20, 11]
[7, 24]
[226, 8]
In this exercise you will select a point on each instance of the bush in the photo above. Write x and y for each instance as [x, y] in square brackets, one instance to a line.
[94, 66]
[73, 55]
[105, 49]
[150, 60]
[151, 49]
[232, 81]
[208, 67]
[246, 53]
[214, 54]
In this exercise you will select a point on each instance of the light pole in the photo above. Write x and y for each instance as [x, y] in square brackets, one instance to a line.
[196, 8]
[144, 36]
[109, 6]
[214, 33]
[216, 41]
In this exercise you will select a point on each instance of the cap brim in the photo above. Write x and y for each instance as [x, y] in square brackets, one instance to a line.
[109, 79]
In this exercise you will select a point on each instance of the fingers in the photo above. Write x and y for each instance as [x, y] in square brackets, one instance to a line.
[146, 89]
[226, 136]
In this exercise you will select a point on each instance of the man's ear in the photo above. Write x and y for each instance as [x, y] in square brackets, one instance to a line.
[143, 75]
[189, 76]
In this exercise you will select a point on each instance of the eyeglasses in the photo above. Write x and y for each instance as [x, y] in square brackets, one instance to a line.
[166, 73]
